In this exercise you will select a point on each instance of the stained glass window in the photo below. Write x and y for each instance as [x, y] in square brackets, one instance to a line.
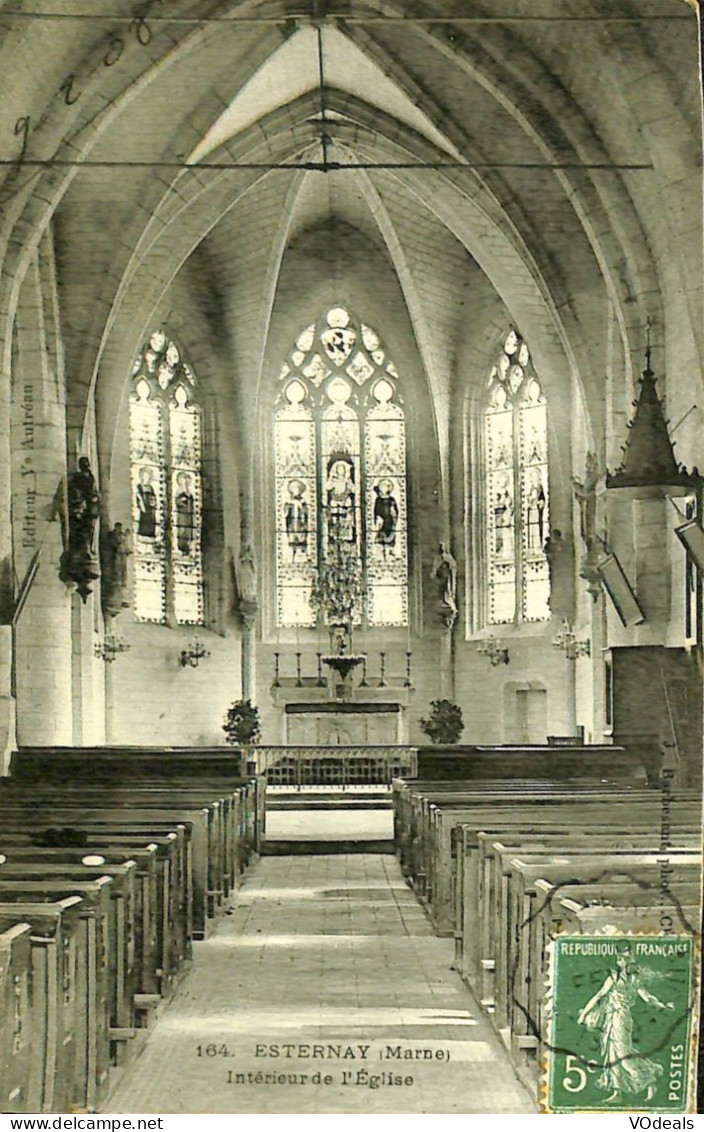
[165, 461]
[340, 469]
[517, 493]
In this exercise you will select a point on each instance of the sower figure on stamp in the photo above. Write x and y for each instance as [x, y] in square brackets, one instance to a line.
[610, 1010]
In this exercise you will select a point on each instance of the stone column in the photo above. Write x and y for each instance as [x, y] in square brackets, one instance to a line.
[249, 609]
[7, 700]
[43, 630]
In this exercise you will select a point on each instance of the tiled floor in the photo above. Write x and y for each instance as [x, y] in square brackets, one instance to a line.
[329, 962]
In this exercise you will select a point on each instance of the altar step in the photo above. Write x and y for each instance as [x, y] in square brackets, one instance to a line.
[296, 847]
[306, 831]
[330, 800]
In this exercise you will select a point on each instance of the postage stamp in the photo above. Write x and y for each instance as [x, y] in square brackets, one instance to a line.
[621, 1024]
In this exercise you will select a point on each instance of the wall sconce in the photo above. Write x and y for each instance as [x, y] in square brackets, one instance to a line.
[566, 640]
[194, 653]
[497, 651]
[110, 647]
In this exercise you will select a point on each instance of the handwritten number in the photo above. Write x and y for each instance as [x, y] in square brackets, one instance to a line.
[139, 24]
[67, 86]
[22, 130]
[117, 46]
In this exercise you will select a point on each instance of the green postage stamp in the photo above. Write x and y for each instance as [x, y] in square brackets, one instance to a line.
[621, 1024]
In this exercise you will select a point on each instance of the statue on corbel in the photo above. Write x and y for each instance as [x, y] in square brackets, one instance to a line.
[79, 562]
[247, 586]
[587, 494]
[115, 550]
[444, 570]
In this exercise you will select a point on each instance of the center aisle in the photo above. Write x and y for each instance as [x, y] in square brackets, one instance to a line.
[332, 957]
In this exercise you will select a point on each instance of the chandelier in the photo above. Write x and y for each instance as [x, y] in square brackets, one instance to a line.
[193, 654]
[566, 640]
[110, 647]
[495, 650]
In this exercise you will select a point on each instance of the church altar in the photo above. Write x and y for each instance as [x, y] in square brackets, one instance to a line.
[335, 724]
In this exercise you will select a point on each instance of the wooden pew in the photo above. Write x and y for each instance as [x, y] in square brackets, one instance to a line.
[221, 861]
[16, 1034]
[119, 944]
[436, 815]
[171, 915]
[197, 823]
[59, 1051]
[622, 902]
[515, 899]
[143, 957]
[95, 910]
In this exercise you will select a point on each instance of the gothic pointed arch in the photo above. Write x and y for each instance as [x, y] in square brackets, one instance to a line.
[516, 504]
[166, 479]
[340, 479]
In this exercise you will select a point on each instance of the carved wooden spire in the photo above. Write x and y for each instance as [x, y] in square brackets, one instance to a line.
[649, 466]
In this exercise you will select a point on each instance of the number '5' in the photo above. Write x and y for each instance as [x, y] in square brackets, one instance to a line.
[572, 1066]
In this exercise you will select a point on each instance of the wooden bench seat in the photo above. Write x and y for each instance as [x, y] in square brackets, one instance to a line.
[142, 940]
[433, 857]
[16, 1032]
[230, 835]
[98, 910]
[134, 819]
[584, 907]
[120, 941]
[515, 901]
[172, 902]
[64, 1058]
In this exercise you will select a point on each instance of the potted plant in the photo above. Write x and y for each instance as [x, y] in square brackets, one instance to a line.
[242, 726]
[445, 724]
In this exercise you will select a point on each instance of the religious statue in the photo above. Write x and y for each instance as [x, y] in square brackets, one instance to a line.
[586, 494]
[385, 515]
[247, 585]
[341, 497]
[296, 517]
[247, 574]
[444, 568]
[78, 561]
[185, 504]
[116, 549]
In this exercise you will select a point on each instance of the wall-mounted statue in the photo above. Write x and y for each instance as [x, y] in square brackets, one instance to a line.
[586, 496]
[444, 569]
[116, 548]
[586, 493]
[247, 585]
[79, 563]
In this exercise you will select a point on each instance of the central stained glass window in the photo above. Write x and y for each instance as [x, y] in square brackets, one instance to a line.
[340, 472]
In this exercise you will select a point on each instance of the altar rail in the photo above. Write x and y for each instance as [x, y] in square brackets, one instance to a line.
[334, 766]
